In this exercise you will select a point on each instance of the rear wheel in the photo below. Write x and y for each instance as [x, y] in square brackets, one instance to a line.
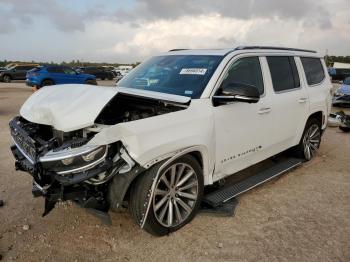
[310, 141]
[176, 199]
[6, 78]
[47, 82]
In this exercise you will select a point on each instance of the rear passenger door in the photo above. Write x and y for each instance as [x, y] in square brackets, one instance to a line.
[318, 85]
[290, 101]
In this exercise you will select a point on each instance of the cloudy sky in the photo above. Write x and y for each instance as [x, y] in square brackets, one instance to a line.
[132, 30]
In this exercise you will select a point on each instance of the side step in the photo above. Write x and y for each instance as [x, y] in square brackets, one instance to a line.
[225, 194]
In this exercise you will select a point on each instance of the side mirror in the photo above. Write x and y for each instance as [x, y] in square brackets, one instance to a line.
[239, 92]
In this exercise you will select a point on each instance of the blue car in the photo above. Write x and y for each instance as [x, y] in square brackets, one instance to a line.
[55, 75]
[342, 95]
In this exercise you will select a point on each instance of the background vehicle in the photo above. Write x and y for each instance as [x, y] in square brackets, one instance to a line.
[55, 75]
[342, 94]
[179, 122]
[124, 69]
[15, 72]
[339, 71]
[99, 72]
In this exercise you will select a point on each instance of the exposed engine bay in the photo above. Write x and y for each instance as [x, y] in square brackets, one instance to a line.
[125, 108]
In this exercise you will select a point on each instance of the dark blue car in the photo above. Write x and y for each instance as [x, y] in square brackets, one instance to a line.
[56, 75]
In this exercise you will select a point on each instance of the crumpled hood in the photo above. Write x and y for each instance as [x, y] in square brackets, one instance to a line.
[72, 107]
[67, 107]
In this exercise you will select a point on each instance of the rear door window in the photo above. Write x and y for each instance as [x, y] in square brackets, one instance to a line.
[284, 73]
[313, 70]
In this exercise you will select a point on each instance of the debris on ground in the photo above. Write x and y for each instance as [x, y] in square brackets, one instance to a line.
[2, 203]
[26, 227]
[220, 245]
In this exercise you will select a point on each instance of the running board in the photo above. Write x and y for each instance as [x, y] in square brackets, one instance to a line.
[225, 194]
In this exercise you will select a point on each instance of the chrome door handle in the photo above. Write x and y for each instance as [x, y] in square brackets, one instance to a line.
[264, 110]
[302, 100]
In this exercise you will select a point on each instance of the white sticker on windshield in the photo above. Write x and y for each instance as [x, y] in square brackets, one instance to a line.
[193, 71]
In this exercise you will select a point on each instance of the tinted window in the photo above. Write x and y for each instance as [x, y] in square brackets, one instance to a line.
[284, 73]
[247, 71]
[55, 70]
[313, 70]
[69, 71]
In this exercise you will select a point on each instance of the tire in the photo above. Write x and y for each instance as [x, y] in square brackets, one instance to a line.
[310, 140]
[171, 208]
[47, 82]
[6, 78]
[102, 78]
[90, 82]
[344, 129]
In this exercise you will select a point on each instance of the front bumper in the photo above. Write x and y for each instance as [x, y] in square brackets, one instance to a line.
[54, 187]
[32, 83]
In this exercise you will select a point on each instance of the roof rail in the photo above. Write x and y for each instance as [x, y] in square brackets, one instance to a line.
[177, 49]
[274, 48]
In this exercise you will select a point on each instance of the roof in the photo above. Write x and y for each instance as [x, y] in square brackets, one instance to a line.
[243, 49]
[341, 65]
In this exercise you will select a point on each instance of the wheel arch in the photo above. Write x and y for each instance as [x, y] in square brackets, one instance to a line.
[9, 75]
[319, 116]
[123, 183]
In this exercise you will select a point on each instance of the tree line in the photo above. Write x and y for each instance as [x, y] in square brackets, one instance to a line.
[73, 63]
[331, 59]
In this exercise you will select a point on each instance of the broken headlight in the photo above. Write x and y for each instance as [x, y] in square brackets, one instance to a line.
[74, 160]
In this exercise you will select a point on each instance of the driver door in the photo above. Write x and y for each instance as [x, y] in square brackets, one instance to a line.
[244, 131]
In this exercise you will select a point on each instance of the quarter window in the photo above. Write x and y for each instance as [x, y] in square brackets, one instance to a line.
[246, 71]
[284, 73]
[313, 70]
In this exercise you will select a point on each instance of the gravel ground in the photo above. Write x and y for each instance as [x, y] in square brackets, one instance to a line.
[302, 216]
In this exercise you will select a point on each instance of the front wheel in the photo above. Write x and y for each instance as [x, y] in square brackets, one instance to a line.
[310, 141]
[176, 199]
[6, 78]
[47, 82]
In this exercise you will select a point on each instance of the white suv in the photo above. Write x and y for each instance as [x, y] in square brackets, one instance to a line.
[177, 123]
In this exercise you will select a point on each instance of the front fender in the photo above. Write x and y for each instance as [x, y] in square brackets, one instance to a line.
[153, 139]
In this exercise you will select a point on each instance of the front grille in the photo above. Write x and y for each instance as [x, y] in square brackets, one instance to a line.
[23, 141]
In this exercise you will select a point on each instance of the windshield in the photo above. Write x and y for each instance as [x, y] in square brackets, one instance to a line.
[347, 81]
[185, 75]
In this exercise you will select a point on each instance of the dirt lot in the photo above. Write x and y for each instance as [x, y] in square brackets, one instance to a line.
[303, 216]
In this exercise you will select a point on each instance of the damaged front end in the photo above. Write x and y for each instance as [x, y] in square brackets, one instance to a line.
[63, 165]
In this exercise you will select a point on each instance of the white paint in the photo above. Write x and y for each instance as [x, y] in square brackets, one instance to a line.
[218, 133]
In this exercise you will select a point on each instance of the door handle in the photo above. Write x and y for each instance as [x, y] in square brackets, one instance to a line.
[264, 110]
[302, 100]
